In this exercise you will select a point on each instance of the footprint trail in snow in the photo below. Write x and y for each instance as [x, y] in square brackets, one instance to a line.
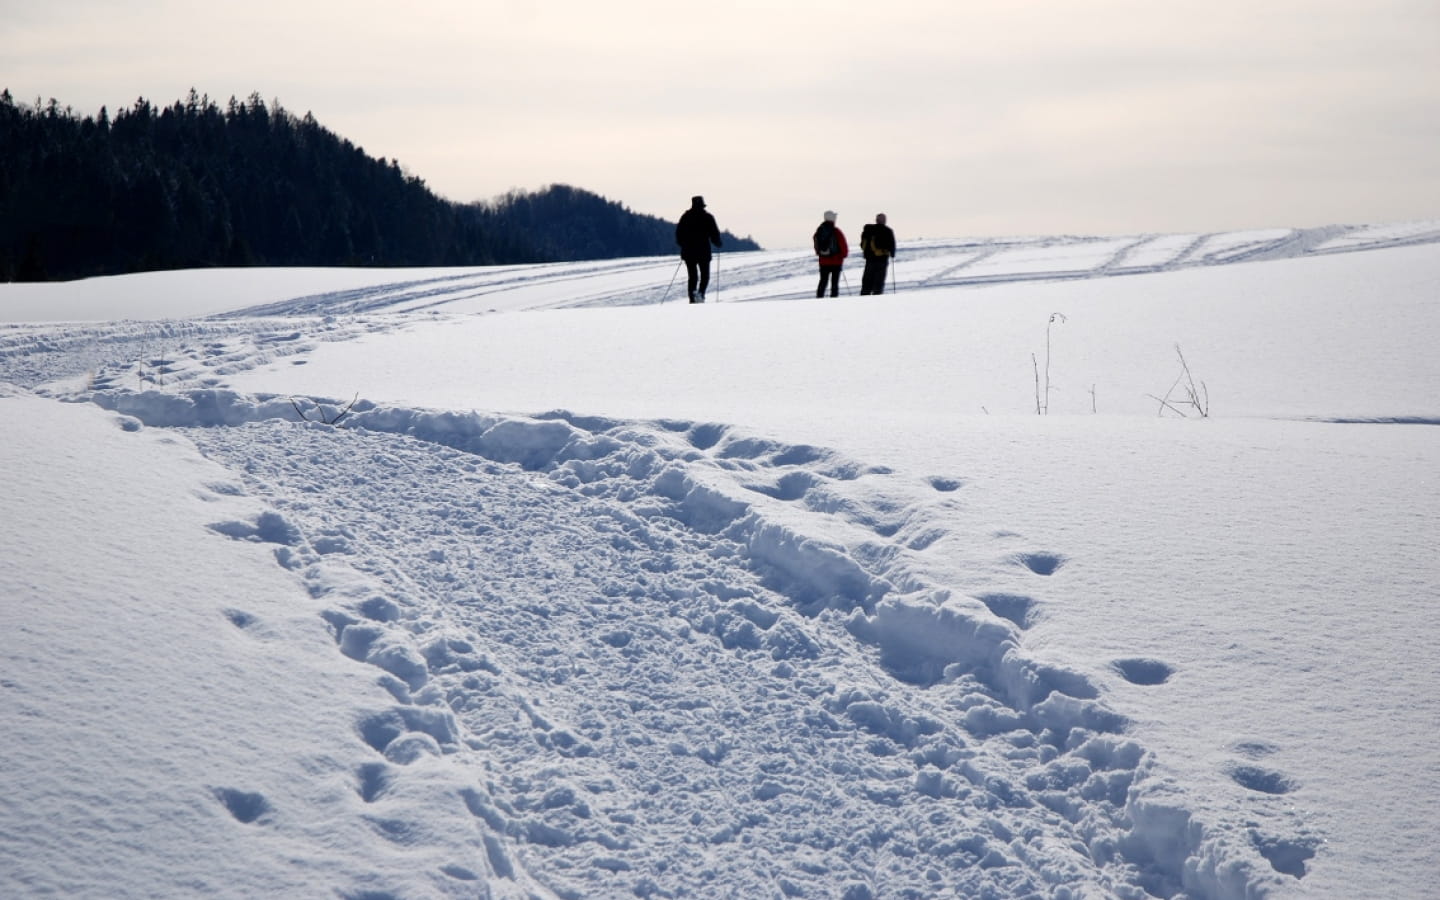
[662, 657]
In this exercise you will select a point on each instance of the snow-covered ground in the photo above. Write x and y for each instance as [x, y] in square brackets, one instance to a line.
[517, 582]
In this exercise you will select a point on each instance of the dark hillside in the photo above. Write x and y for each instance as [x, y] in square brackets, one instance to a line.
[564, 222]
[194, 185]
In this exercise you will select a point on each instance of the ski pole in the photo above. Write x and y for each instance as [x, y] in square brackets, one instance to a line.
[717, 278]
[672, 281]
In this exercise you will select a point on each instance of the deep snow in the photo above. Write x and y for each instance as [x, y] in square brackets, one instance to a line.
[587, 595]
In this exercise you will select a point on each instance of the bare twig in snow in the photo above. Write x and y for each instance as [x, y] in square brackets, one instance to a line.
[320, 412]
[1197, 398]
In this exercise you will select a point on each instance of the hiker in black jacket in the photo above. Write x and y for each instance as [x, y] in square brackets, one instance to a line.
[694, 234]
[877, 242]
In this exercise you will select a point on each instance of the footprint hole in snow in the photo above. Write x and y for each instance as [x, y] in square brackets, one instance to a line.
[1255, 749]
[239, 618]
[800, 455]
[747, 448]
[1288, 857]
[273, 528]
[791, 486]
[1144, 671]
[925, 539]
[245, 806]
[1260, 780]
[1041, 563]
[1015, 608]
[703, 437]
[372, 779]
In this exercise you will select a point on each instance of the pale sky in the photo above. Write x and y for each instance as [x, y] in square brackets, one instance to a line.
[955, 117]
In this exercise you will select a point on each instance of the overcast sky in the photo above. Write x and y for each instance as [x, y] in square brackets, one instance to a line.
[982, 117]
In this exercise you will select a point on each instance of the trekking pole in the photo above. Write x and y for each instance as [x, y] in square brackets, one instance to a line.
[894, 277]
[846, 279]
[717, 278]
[672, 281]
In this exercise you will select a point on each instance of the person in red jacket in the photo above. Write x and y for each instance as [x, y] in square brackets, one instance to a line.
[832, 249]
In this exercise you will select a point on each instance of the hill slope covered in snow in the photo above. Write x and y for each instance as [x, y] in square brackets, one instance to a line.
[517, 582]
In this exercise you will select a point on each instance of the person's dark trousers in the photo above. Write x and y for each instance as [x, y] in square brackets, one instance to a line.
[873, 281]
[698, 273]
[832, 274]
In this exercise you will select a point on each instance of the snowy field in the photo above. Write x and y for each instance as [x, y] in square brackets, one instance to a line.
[517, 582]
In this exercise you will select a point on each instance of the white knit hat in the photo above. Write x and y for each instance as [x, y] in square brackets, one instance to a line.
[830, 215]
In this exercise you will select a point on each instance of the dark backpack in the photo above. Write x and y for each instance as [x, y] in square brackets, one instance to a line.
[826, 244]
[873, 243]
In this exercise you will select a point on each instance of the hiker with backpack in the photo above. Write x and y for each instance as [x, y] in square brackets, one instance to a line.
[694, 234]
[877, 244]
[832, 249]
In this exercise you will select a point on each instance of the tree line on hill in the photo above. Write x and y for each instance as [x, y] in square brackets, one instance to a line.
[193, 185]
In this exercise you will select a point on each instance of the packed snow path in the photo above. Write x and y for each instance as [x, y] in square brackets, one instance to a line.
[623, 635]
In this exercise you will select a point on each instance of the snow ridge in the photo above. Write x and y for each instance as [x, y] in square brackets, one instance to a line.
[777, 663]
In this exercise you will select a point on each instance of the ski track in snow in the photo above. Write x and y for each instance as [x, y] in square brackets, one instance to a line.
[613, 633]
[145, 354]
[773, 275]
